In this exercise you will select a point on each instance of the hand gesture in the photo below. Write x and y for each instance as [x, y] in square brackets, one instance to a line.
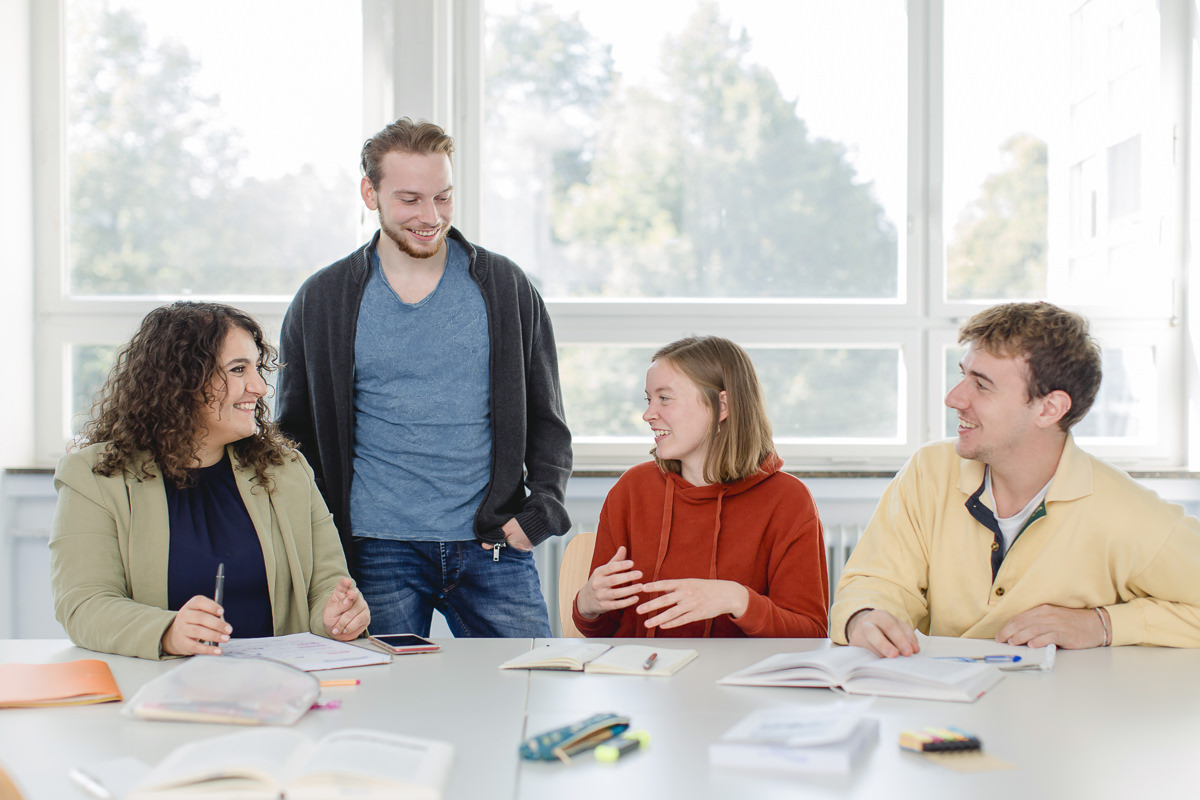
[197, 629]
[693, 599]
[346, 614]
[881, 633]
[1069, 628]
[613, 585]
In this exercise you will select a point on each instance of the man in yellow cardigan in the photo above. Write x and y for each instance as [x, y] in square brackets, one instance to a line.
[1011, 531]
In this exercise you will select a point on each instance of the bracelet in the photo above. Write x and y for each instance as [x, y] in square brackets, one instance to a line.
[851, 619]
[1103, 627]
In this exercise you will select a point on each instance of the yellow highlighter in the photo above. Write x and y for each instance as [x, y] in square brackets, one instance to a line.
[618, 746]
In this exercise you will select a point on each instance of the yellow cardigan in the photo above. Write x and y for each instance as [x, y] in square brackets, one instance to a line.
[110, 541]
[1105, 541]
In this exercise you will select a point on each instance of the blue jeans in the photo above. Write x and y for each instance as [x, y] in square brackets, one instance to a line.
[403, 582]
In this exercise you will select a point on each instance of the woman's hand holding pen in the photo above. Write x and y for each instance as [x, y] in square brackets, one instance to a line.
[346, 614]
[196, 624]
[613, 585]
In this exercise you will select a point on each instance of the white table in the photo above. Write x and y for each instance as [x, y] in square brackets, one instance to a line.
[1121, 722]
[457, 695]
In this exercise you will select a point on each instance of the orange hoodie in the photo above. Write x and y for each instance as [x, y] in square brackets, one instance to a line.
[762, 531]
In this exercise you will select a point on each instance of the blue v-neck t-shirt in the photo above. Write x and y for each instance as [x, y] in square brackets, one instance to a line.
[422, 403]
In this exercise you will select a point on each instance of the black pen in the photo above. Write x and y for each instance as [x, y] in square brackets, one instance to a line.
[218, 593]
[650, 661]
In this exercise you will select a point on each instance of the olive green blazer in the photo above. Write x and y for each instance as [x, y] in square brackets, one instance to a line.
[111, 537]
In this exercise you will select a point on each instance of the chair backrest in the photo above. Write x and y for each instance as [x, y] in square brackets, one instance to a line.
[8, 789]
[573, 573]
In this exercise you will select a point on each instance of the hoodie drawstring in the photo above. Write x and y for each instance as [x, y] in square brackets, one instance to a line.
[664, 533]
[712, 565]
[664, 536]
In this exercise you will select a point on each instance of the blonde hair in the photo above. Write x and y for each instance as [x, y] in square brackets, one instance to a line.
[737, 446]
[420, 138]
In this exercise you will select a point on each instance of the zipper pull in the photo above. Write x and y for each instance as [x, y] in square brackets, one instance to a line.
[496, 551]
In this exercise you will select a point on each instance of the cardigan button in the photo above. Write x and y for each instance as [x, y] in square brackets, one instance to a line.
[999, 591]
[995, 546]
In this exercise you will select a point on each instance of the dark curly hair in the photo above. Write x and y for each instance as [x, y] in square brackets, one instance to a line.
[161, 381]
[1057, 345]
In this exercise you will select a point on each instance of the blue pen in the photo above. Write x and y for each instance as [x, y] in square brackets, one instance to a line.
[987, 659]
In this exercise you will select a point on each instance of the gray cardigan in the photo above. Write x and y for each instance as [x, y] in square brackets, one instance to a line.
[531, 445]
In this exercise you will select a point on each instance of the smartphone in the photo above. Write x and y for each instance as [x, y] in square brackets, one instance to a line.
[402, 643]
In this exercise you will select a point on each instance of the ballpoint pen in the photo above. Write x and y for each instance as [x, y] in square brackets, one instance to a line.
[219, 593]
[650, 661]
[986, 659]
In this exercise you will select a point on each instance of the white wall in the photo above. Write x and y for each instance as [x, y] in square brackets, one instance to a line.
[27, 506]
[27, 503]
[16, 236]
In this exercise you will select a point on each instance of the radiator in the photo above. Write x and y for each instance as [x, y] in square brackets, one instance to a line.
[839, 541]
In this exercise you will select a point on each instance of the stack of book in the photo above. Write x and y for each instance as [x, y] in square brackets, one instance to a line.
[798, 739]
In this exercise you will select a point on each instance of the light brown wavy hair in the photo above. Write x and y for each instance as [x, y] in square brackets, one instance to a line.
[1059, 350]
[403, 136]
[154, 395]
[737, 446]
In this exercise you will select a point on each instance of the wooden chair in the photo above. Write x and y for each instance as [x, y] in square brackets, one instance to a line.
[573, 573]
[8, 789]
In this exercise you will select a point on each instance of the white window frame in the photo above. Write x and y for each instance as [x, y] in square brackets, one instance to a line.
[424, 58]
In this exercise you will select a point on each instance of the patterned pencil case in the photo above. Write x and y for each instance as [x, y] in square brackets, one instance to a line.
[560, 743]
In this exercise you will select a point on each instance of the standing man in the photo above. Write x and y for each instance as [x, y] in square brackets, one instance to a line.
[1012, 532]
[421, 382]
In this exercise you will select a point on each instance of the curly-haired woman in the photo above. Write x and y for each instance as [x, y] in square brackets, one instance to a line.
[184, 473]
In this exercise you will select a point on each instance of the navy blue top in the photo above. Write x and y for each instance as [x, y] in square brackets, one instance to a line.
[209, 525]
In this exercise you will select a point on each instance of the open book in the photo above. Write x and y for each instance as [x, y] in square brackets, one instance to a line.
[269, 763]
[70, 683]
[859, 671]
[624, 659]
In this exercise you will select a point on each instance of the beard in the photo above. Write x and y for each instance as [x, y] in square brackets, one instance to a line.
[425, 251]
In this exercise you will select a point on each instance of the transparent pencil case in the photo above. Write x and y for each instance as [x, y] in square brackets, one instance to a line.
[237, 691]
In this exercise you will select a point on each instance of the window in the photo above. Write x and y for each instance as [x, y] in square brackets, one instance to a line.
[187, 178]
[755, 171]
[198, 161]
[707, 152]
[702, 172]
[836, 186]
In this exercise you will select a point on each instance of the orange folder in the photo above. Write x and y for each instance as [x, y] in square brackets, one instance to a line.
[71, 683]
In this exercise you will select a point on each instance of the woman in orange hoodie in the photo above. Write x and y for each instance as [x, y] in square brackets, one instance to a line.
[727, 543]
